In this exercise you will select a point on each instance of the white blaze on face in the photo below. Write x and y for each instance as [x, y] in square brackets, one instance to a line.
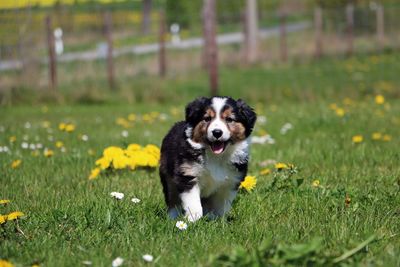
[217, 124]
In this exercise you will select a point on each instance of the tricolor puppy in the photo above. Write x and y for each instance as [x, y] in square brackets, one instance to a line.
[205, 157]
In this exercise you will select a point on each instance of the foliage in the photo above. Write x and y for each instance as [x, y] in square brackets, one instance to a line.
[273, 253]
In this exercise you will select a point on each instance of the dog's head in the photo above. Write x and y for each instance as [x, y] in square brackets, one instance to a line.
[219, 121]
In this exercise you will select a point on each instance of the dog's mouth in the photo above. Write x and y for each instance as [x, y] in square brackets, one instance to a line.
[217, 147]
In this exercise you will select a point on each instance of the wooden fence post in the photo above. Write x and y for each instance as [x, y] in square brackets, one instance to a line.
[161, 56]
[210, 43]
[350, 28]
[251, 31]
[146, 14]
[52, 54]
[282, 34]
[110, 63]
[318, 31]
[380, 26]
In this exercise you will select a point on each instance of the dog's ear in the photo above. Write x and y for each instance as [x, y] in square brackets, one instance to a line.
[247, 116]
[195, 110]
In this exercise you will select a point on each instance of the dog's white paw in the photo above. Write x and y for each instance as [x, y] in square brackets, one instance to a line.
[194, 215]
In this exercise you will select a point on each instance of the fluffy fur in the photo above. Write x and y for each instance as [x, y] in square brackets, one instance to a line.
[205, 157]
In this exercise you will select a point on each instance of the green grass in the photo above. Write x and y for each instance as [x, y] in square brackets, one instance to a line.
[70, 219]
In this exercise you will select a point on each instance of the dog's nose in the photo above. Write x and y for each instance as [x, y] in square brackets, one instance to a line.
[217, 133]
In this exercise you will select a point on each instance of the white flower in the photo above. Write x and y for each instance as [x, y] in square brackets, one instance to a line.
[85, 137]
[25, 137]
[27, 125]
[63, 149]
[117, 262]
[124, 133]
[5, 149]
[86, 262]
[32, 146]
[163, 116]
[135, 200]
[24, 145]
[263, 139]
[147, 258]
[39, 146]
[2, 129]
[181, 225]
[286, 127]
[262, 119]
[117, 195]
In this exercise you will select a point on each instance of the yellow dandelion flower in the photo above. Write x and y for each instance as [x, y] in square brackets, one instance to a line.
[340, 112]
[265, 171]
[59, 144]
[45, 124]
[48, 153]
[120, 162]
[91, 152]
[379, 99]
[147, 118]
[4, 263]
[103, 162]
[333, 106]
[280, 166]
[347, 101]
[112, 152]
[152, 161]
[153, 150]
[3, 219]
[4, 201]
[357, 139]
[134, 147]
[131, 117]
[316, 183]
[123, 122]
[376, 136]
[16, 163]
[14, 215]
[94, 173]
[140, 158]
[248, 183]
[69, 128]
[12, 139]
[386, 138]
[62, 126]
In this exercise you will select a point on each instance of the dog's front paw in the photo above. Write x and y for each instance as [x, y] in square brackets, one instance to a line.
[193, 215]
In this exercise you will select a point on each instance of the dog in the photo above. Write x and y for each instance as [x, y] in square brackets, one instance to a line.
[204, 158]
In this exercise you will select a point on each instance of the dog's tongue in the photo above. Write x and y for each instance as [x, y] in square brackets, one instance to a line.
[217, 147]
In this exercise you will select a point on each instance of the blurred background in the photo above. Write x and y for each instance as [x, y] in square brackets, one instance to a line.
[79, 51]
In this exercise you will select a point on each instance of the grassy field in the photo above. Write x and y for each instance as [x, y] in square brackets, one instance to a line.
[340, 205]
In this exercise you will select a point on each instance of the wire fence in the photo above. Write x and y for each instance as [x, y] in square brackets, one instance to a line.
[80, 40]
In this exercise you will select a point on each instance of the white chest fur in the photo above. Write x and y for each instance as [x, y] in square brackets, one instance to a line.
[219, 171]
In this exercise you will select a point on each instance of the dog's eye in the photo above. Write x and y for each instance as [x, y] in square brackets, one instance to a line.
[229, 120]
[207, 119]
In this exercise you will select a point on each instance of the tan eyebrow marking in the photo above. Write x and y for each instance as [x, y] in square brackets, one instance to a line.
[227, 113]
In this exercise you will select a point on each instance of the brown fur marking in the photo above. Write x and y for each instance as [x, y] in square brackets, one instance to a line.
[200, 131]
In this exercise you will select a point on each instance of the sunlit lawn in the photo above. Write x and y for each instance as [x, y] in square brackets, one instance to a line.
[341, 134]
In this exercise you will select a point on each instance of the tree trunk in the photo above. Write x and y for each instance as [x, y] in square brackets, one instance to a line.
[52, 54]
[251, 32]
[146, 13]
[318, 31]
[210, 44]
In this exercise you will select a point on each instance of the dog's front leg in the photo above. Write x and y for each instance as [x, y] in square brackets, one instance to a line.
[191, 203]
